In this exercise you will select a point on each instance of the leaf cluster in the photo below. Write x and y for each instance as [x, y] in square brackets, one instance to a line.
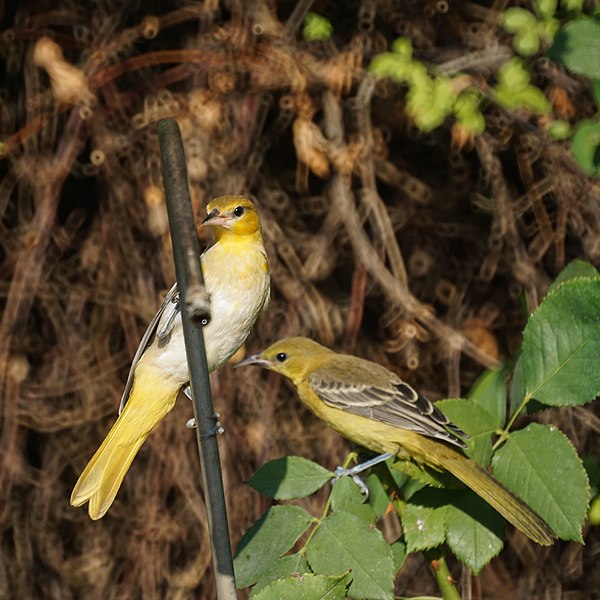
[343, 552]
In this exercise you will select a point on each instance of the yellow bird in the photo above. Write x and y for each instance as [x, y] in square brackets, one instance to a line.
[236, 275]
[374, 408]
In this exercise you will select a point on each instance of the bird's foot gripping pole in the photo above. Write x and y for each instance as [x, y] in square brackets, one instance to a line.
[356, 469]
[191, 423]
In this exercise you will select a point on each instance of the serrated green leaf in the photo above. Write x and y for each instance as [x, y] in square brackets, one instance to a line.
[347, 497]
[289, 477]
[541, 466]
[282, 567]
[422, 475]
[585, 146]
[476, 422]
[398, 553]
[576, 269]
[577, 47]
[345, 542]
[561, 345]
[270, 537]
[306, 587]
[474, 530]
[489, 392]
[424, 526]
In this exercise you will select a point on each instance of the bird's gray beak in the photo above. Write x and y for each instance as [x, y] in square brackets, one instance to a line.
[214, 217]
[254, 359]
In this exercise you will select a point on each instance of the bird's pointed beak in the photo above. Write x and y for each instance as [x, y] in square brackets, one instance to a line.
[254, 359]
[214, 218]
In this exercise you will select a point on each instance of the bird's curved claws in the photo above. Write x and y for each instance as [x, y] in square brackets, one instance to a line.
[356, 469]
[218, 429]
[362, 486]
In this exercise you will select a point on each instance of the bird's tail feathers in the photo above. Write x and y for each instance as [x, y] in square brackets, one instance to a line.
[492, 491]
[150, 400]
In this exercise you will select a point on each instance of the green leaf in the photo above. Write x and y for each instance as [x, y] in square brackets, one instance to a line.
[559, 130]
[577, 47]
[533, 99]
[596, 92]
[398, 553]
[474, 421]
[592, 468]
[527, 43]
[346, 496]
[517, 19]
[282, 567]
[270, 537]
[517, 386]
[344, 542]
[541, 466]
[424, 526]
[572, 5]
[422, 475]
[289, 477]
[306, 587]
[594, 513]
[585, 146]
[474, 530]
[545, 8]
[561, 345]
[576, 269]
[378, 497]
[489, 392]
[316, 28]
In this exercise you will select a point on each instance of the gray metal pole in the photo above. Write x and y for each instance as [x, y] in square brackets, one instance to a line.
[195, 308]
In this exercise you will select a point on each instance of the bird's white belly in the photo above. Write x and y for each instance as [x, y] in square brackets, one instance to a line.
[234, 308]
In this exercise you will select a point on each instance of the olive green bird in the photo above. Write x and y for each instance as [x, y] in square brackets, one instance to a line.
[374, 408]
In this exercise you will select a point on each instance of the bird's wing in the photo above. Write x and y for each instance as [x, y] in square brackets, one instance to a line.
[373, 392]
[164, 315]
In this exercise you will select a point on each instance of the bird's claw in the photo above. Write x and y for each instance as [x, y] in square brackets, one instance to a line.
[352, 472]
[218, 429]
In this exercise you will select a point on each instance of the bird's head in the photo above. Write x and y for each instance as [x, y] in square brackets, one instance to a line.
[293, 357]
[236, 215]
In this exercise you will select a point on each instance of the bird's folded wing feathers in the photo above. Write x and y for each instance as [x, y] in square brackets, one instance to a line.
[382, 396]
[168, 305]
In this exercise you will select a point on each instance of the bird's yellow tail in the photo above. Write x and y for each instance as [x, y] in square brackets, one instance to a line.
[490, 489]
[151, 398]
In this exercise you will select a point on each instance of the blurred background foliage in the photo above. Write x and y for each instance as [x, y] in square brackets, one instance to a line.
[413, 167]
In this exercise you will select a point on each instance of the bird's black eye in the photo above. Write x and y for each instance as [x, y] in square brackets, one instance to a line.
[238, 211]
[281, 356]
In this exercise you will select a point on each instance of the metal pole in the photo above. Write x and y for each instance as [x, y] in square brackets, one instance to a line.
[195, 308]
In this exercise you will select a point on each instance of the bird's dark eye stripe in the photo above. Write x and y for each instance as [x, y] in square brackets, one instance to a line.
[238, 211]
[281, 356]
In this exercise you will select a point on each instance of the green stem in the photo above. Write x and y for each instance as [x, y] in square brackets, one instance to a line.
[505, 431]
[439, 569]
[352, 456]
